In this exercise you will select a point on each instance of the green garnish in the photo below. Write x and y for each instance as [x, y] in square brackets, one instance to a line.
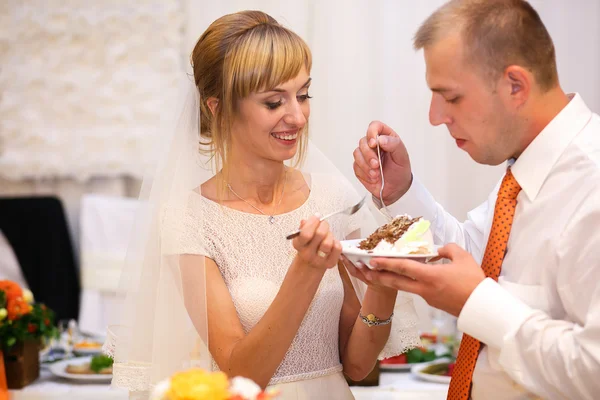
[100, 362]
[418, 355]
[416, 231]
[437, 369]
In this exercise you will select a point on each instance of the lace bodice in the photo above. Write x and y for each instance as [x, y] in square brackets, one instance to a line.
[254, 256]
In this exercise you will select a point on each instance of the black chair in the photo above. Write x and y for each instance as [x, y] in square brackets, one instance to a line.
[36, 228]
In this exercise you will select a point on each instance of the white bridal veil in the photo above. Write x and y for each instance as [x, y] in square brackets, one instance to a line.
[163, 326]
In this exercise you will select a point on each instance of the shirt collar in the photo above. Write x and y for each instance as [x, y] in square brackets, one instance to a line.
[535, 163]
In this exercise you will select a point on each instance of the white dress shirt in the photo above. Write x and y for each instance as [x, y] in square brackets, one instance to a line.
[540, 323]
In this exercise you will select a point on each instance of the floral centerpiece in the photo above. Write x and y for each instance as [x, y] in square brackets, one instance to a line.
[198, 384]
[24, 325]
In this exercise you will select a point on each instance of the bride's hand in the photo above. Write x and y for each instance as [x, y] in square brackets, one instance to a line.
[361, 272]
[316, 245]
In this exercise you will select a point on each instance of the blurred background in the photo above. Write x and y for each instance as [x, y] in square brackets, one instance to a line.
[82, 84]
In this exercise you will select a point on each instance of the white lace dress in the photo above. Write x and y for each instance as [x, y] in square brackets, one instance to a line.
[253, 257]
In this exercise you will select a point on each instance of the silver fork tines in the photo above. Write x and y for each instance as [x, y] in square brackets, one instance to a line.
[382, 180]
[348, 211]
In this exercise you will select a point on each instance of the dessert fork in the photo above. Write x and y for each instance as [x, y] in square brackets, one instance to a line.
[382, 181]
[348, 211]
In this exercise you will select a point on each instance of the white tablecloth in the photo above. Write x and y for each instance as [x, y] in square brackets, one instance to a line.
[401, 385]
[392, 385]
[50, 387]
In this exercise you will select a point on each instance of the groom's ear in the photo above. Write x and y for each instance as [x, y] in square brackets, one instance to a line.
[517, 84]
[212, 104]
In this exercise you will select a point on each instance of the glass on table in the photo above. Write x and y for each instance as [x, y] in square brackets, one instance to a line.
[68, 335]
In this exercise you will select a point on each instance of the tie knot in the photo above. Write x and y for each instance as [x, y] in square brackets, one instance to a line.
[510, 188]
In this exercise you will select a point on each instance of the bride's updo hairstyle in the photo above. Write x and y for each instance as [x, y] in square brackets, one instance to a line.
[237, 55]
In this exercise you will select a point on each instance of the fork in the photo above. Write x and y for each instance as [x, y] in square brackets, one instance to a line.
[382, 180]
[347, 211]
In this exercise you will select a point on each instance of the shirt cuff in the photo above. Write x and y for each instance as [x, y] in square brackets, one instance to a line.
[416, 202]
[491, 313]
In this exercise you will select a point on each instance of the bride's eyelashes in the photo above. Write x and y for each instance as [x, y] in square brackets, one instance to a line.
[274, 105]
[303, 98]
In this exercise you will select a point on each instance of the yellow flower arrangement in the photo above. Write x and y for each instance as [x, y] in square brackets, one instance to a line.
[198, 384]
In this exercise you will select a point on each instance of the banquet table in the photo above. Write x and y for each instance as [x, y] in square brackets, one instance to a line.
[392, 385]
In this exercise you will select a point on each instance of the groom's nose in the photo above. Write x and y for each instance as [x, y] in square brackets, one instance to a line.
[438, 110]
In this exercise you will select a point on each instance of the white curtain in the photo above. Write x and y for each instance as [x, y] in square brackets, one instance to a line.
[365, 68]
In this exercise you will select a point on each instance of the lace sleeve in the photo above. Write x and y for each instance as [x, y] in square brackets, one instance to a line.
[181, 231]
[404, 334]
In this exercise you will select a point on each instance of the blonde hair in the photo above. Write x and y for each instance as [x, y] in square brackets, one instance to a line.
[237, 55]
[496, 34]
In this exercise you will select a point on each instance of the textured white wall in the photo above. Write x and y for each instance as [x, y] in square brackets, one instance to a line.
[82, 84]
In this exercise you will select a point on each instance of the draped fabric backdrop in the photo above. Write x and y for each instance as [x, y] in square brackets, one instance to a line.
[80, 84]
[364, 68]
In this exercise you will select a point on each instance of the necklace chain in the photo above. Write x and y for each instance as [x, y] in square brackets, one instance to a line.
[272, 216]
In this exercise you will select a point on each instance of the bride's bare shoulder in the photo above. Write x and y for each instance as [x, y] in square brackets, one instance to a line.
[208, 189]
[298, 181]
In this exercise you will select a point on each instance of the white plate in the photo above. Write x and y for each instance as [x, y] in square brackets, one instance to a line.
[353, 253]
[416, 370]
[398, 367]
[59, 369]
[86, 351]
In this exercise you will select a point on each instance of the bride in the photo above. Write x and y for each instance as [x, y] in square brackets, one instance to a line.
[211, 280]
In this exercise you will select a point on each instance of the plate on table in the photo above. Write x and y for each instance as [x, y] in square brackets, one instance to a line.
[353, 253]
[87, 348]
[417, 356]
[398, 367]
[59, 369]
[425, 371]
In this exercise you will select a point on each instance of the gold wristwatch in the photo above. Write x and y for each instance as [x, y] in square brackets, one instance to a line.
[372, 320]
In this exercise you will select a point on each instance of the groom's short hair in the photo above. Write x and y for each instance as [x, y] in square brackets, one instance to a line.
[496, 34]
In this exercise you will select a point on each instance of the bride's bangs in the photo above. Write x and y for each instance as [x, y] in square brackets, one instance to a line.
[263, 58]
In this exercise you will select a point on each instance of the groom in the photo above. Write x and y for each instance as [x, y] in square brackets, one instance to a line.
[525, 290]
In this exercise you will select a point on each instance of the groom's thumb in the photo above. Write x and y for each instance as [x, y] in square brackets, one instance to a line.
[450, 251]
[389, 143]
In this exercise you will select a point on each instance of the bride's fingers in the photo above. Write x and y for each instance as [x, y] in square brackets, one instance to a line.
[335, 254]
[354, 270]
[307, 232]
[319, 235]
[326, 246]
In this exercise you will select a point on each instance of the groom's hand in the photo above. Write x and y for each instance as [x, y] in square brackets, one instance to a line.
[444, 286]
[394, 157]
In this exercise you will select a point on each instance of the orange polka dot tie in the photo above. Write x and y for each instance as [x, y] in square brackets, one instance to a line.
[460, 385]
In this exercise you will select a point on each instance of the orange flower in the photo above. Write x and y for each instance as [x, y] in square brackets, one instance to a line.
[11, 289]
[31, 328]
[17, 307]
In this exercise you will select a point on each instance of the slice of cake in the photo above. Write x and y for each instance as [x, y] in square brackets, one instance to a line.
[403, 235]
